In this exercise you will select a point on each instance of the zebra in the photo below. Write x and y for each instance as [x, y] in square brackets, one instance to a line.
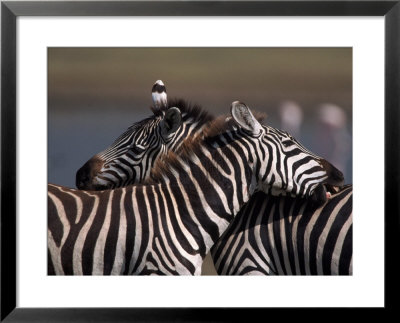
[167, 225]
[131, 157]
[261, 214]
[285, 236]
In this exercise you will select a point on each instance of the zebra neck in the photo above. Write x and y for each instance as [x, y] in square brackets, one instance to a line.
[208, 191]
[190, 128]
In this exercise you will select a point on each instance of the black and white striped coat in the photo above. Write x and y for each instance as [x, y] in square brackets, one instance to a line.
[167, 226]
[131, 157]
[287, 236]
[244, 248]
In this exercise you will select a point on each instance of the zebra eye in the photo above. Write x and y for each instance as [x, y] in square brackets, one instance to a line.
[138, 149]
[287, 143]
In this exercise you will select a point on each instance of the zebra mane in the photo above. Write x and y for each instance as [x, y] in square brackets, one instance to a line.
[172, 161]
[191, 110]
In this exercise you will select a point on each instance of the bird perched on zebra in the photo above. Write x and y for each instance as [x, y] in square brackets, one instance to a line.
[236, 254]
[168, 225]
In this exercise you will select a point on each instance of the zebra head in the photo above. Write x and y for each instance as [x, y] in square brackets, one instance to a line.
[282, 165]
[132, 155]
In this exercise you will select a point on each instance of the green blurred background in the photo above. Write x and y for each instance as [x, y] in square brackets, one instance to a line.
[94, 94]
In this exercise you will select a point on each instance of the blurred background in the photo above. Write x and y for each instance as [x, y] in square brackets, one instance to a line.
[95, 94]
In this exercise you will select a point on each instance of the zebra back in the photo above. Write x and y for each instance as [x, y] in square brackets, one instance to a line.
[288, 236]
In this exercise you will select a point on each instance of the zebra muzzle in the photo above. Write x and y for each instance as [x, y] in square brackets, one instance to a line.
[319, 196]
[335, 176]
[85, 175]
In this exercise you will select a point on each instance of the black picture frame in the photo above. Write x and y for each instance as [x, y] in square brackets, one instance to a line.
[11, 10]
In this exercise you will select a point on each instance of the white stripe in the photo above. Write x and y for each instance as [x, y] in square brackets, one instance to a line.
[339, 245]
[163, 237]
[221, 223]
[79, 206]
[267, 264]
[227, 241]
[307, 234]
[204, 234]
[193, 243]
[272, 242]
[66, 228]
[235, 239]
[179, 267]
[216, 186]
[98, 254]
[55, 254]
[283, 237]
[160, 266]
[138, 233]
[322, 239]
[304, 167]
[80, 240]
[119, 261]
[294, 238]
[150, 230]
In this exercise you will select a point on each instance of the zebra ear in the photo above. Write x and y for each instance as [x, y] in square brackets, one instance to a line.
[159, 95]
[244, 118]
[172, 121]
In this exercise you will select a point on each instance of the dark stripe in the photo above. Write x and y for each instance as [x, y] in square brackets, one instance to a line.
[69, 203]
[234, 232]
[302, 224]
[123, 174]
[154, 268]
[286, 212]
[113, 232]
[178, 234]
[224, 183]
[340, 218]
[69, 244]
[190, 225]
[195, 202]
[93, 233]
[347, 252]
[317, 230]
[209, 191]
[265, 238]
[157, 234]
[276, 158]
[268, 168]
[277, 233]
[144, 217]
[130, 228]
[50, 267]
[228, 262]
[220, 161]
[54, 223]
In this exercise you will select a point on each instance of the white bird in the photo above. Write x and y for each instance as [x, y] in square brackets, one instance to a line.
[159, 95]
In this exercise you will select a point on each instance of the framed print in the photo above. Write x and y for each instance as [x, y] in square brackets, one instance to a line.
[36, 36]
